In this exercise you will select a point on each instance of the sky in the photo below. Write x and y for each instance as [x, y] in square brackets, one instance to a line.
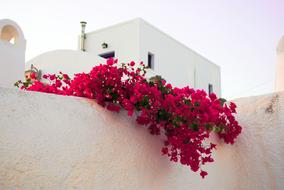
[238, 35]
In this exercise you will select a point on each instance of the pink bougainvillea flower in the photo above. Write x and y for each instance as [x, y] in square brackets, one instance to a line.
[203, 173]
[184, 116]
[132, 63]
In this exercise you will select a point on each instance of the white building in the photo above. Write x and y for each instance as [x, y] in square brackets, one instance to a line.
[12, 53]
[139, 41]
[279, 83]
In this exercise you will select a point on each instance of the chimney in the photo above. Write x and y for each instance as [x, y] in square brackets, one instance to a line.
[83, 36]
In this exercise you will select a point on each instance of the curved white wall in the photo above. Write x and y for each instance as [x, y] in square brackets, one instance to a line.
[56, 142]
[280, 66]
[12, 53]
[66, 61]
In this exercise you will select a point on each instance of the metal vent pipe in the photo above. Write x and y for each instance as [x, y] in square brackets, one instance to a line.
[83, 36]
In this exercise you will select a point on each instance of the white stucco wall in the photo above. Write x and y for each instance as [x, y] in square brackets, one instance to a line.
[56, 142]
[121, 38]
[176, 62]
[279, 83]
[12, 56]
[171, 60]
[66, 61]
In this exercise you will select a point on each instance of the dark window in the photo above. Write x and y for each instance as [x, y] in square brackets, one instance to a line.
[150, 60]
[108, 55]
[210, 88]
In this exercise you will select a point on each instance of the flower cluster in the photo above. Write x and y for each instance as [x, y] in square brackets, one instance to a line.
[184, 116]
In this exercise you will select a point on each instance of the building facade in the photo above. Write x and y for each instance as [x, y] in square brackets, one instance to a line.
[135, 40]
[140, 41]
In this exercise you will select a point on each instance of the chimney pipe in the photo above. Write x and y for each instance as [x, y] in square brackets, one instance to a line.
[83, 36]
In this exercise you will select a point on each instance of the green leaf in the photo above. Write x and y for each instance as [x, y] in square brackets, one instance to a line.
[114, 95]
[208, 126]
[218, 129]
[187, 101]
[151, 83]
[143, 103]
[222, 101]
[194, 127]
[196, 104]
[59, 77]
[163, 115]
[177, 121]
[26, 84]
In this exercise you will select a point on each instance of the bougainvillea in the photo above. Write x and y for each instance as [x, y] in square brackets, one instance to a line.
[184, 116]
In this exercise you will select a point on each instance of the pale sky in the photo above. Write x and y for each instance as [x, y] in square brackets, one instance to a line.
[238, 35]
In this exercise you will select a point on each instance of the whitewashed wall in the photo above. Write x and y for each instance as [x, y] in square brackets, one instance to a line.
[171, 59]
[176, 62]
[57, 142]
[121, 38]
[12, 56]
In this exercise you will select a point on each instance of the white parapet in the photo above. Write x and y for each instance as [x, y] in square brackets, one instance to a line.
[12, 53]
[66, 61]
[56, 142]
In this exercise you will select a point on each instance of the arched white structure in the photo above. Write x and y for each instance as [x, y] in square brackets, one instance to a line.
[12, 53]
[280, 66]
[66, 61]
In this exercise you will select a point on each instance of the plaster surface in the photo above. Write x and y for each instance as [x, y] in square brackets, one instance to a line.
[56, 142]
